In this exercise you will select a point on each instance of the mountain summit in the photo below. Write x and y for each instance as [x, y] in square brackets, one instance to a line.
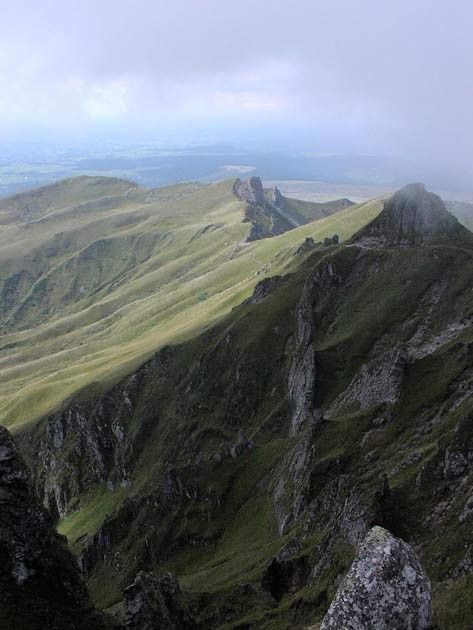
[412, 216]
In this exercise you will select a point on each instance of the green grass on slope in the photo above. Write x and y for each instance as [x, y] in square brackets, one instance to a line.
[124, 278]
[311, 210]
[237, 539]
[36, 203]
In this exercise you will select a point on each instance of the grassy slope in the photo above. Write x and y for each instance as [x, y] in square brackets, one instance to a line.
[105, 273]
[239, 537]
[311, 210]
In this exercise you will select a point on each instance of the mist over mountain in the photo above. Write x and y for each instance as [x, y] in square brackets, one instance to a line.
[29, 166]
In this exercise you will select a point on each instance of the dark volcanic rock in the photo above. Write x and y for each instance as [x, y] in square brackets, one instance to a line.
[287, 572]
[40, 582]
[412, 216]
[157, 602]
[386, 588]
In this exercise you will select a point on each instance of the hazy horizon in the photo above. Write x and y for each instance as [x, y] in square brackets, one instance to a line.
[348, 78]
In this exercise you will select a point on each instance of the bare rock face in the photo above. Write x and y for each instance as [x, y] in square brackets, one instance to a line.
[277, 199]
[40, 584]
[84, 445]
[386, 588]
[157, 602]
[377, 382]
[269, 216]
[412, 216]
[250, 191]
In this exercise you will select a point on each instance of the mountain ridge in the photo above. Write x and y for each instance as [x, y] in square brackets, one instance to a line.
[254, 458]
[91, 292]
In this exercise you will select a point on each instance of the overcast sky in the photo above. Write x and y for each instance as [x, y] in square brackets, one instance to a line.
[394, 76]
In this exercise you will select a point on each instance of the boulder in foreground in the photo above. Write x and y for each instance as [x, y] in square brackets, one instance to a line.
[386, 588]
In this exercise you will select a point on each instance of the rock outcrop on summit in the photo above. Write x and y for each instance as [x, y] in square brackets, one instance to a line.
[412, 216]
[386, 588]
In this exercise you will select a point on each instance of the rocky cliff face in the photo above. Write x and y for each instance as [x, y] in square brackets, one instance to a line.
[40, 582]
[253, 460]
[83, 446]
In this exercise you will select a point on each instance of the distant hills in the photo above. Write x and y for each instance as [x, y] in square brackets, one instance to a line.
[152, 165]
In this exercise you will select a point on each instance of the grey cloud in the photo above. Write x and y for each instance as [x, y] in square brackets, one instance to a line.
[398, 71]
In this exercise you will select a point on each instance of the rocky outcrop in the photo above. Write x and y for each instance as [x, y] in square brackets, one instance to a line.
[264, 288]
[157, 602]
[83, 446]
[287, 572]
[310, 245]
[40, 582]
[307, 246]
[302, 371]
[331, 240]
[301, 376]
[412, 216]
[277, 200]
[250, 191]
[386, 588]
[270, 215]
[290, 493]
[377, 382]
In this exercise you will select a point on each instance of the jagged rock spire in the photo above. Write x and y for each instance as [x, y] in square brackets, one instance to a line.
[277, 199]
[250, 191]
